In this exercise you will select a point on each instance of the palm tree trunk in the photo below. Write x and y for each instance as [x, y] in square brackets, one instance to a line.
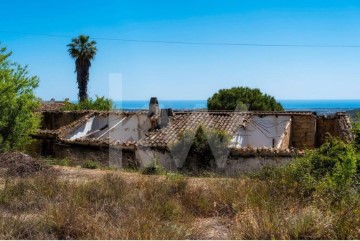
[82, 69]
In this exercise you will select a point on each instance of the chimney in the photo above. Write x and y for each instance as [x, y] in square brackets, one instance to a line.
[153, 107]
[165, 117]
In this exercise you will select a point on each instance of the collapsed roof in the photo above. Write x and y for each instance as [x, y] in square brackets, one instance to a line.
[155, 128]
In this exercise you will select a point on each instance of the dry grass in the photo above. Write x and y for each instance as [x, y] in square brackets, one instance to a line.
[132, 206]
[108, 208]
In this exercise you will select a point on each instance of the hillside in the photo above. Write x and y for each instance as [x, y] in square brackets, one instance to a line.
[352, 113]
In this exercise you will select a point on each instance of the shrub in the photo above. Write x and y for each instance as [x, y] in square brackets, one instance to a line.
[331, 170]
[244, 99]
[90, 165]
[18, 104]
[154, 168]
[100, 103]
[60, 162]
[201, 150]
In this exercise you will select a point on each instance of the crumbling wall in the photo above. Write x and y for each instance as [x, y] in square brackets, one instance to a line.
[335, 126]
[325, 126]
[234, 164]
[133, 128]
[148, 156]
[53, 120]
[79, 154]
[343, 127]
[241, 165]
[303, 131]
[285, 137]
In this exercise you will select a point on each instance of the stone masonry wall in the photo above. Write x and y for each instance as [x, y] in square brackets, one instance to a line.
[233, 165]
[106, 156]
[240, 165]
[52, 120]
[335, 126]
[303, 131]
[325, 126]
[343, 127]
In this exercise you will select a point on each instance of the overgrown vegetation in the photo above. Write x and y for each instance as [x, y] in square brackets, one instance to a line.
[316, 196]
[275, 204]
[100, 103]
[244, 99]
[108, 208]
[154, 168]
[91, 165]
[200, 151]
[18, 104]
[355, 121]
[59, 162]
[331, 172]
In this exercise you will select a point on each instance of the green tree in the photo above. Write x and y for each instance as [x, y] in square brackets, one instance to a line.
[83, 51]
[243, 98]
[199, 150]
[100, 103]
[18, 104]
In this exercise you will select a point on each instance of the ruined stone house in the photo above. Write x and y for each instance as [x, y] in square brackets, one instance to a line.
[123, 139]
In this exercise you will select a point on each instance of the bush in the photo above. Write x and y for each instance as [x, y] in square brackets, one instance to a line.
[329, 174]
[244, 99]
[331, 171]
[60, 162]
[155, 168]
[90, 165]
[100, 103]
[18, 104]
[201, 150]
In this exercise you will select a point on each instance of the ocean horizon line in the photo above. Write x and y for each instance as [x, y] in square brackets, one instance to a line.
[119, 100]
[276, 99]
[320, 106]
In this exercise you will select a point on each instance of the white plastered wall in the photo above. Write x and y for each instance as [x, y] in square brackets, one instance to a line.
[266, 131]
[115, 127]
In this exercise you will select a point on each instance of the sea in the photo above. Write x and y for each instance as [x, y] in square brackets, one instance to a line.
[322, 107]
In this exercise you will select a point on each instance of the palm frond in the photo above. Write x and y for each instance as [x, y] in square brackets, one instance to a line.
[80, 47]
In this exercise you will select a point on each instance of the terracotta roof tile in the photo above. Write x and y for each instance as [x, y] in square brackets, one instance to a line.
[51, 105]
[225, 121]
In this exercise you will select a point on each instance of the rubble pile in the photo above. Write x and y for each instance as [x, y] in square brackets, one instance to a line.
[21, 165]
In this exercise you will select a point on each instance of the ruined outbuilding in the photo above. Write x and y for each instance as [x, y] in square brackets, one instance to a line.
[124, 139]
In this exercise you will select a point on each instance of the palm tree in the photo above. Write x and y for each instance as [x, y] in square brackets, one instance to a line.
[83, 51]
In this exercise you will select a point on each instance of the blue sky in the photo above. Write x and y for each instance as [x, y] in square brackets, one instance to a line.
[174, 71]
